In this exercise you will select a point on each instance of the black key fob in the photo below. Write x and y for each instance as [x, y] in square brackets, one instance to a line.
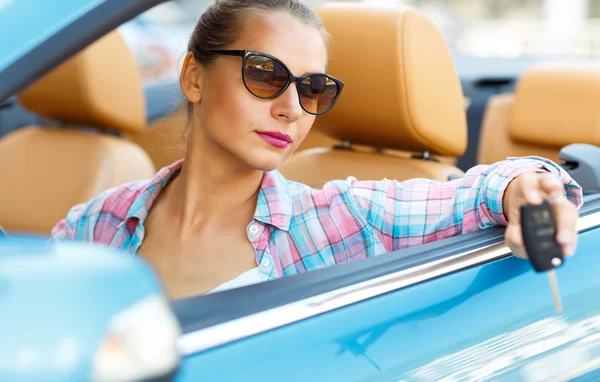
[539, 236]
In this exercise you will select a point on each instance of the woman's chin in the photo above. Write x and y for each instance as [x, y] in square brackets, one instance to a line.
[266, 161]
[268, 166]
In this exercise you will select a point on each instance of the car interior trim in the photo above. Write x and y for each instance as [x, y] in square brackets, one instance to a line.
[86, 29]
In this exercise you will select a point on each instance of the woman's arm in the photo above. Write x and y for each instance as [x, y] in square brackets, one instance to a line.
[418, 211]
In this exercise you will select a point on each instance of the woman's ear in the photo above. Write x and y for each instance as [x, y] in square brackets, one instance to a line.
[190, 79]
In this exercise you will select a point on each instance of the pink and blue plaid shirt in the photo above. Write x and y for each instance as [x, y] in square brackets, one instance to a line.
[297, 228]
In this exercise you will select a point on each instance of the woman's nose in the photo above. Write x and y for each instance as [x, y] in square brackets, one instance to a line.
[287, 105]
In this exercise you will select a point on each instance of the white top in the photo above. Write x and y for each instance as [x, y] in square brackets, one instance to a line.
[247, 278]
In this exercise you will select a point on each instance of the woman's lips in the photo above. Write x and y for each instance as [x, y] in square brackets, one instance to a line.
[275, 138]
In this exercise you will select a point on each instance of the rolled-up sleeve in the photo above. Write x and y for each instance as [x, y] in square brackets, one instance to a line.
[418, 211]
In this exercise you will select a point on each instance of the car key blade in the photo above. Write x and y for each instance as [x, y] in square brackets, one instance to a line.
[554, 288]
[545, 254]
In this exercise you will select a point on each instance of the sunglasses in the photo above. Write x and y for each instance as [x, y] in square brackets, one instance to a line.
[266, 77]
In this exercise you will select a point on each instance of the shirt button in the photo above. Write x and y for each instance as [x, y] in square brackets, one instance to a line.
[253, 228]
[265, 262]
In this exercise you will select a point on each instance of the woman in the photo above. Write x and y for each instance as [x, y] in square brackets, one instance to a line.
[223, 216]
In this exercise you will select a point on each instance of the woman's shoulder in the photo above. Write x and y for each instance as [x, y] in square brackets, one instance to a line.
[296, 189]
[316, 196]
[117, 200]
[332, 188]
[100, 217]
[343, 194]
[109, 207]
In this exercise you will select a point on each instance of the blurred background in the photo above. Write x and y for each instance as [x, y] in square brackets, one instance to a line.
[493, 42]
[517, 30]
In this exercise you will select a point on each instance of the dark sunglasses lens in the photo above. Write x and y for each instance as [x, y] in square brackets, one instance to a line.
[318, 93]
[264, 77]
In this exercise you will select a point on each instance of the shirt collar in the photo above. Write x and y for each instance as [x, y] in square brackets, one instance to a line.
[273, 206]
[140, 208]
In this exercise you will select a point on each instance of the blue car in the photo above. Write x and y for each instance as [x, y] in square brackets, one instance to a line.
[459, 309]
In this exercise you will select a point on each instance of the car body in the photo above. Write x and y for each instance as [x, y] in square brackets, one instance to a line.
[459, 309]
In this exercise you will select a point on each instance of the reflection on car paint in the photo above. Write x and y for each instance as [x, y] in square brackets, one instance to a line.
[5, 3]
[551, 349]
[359, 343]
[61, 358]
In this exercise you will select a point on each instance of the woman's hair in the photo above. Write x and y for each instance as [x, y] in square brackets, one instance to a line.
[221, 23]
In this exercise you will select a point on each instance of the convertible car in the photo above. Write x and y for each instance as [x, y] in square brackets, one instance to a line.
[459, 309]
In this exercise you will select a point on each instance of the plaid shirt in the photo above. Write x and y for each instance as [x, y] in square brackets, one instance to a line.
[297, 228]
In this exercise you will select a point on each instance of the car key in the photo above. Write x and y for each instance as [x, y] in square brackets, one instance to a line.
[539, 237]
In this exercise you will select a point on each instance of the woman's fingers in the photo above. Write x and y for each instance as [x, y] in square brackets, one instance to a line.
[533, 188]
[514, 239]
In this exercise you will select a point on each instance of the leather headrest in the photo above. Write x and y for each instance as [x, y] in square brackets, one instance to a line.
[99, 87]
[557, 104]
[401, 88]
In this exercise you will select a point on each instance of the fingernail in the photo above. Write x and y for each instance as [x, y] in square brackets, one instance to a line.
[569, 250]
[563, 237]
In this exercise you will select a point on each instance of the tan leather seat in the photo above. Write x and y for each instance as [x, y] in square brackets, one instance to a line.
[402, 96]
[46, 171]
[317, 138]
[554, 105]
[165, 140]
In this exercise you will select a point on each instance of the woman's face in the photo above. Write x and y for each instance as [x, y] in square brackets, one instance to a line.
[236, 121]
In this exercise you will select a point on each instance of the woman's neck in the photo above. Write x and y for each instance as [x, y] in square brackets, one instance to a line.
[213, 186]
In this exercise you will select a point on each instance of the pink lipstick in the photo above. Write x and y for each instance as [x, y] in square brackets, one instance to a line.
[275, 138]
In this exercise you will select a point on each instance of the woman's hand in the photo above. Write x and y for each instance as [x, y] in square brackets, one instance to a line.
[532, 188]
